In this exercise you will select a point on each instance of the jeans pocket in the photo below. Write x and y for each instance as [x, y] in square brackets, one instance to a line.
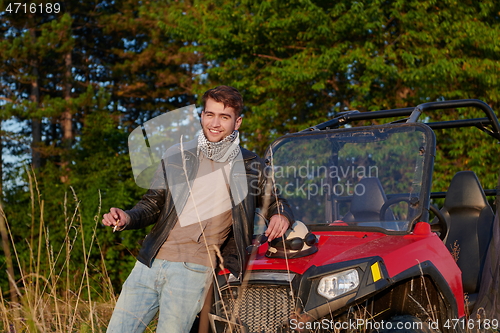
[196, 267]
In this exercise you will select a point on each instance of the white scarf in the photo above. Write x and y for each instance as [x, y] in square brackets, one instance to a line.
[225, 150]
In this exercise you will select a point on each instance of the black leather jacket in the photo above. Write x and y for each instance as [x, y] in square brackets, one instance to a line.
[157, 206]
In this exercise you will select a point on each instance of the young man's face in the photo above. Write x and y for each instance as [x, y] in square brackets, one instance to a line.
[218, 122]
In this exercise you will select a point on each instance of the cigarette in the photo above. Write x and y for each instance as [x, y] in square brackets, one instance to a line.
[116, 225]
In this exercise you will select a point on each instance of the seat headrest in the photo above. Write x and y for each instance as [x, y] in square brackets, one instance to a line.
[465, 191]
[371, 199]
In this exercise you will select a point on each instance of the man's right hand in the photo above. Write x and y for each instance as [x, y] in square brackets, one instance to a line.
[116, 218]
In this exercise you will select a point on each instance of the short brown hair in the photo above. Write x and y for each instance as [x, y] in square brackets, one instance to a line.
[226, 95]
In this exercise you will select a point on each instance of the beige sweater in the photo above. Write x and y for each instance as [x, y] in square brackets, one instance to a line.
[205, 221]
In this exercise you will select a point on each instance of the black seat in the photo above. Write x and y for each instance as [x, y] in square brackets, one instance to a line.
[471, 221]
[366, 206]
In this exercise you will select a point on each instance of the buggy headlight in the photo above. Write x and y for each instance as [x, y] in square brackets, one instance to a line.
[337, 284]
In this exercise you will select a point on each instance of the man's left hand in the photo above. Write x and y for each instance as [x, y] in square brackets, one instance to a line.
[278, 225]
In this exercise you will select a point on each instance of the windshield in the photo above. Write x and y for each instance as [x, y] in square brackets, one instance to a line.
[366, 177]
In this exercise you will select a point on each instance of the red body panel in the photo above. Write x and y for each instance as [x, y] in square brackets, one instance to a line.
[398, 252]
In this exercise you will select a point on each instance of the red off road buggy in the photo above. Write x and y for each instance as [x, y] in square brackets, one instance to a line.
[372, 259]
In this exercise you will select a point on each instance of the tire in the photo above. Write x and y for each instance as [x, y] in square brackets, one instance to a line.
[406, 324]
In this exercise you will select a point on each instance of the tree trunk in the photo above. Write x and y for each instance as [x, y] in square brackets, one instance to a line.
[36, 123]
[66, 119]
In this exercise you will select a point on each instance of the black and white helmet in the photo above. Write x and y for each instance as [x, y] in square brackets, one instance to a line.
[296, 242]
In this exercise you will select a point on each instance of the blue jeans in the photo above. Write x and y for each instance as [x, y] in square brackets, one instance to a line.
[176, 289]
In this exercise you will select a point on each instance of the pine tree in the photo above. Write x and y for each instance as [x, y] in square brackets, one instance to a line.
[77, 82]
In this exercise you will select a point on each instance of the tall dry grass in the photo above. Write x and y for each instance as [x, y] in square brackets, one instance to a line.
[38, 299]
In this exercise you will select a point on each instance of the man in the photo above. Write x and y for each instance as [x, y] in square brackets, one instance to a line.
[197, 209]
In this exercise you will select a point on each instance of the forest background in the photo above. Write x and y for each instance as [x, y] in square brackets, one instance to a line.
[75, 82]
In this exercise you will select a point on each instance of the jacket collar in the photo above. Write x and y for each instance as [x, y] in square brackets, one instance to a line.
[247, 154]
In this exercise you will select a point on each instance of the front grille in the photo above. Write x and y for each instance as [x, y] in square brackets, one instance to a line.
[259, 308]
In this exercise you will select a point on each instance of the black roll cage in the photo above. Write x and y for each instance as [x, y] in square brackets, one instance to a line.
[488, 124]
[413, 113]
